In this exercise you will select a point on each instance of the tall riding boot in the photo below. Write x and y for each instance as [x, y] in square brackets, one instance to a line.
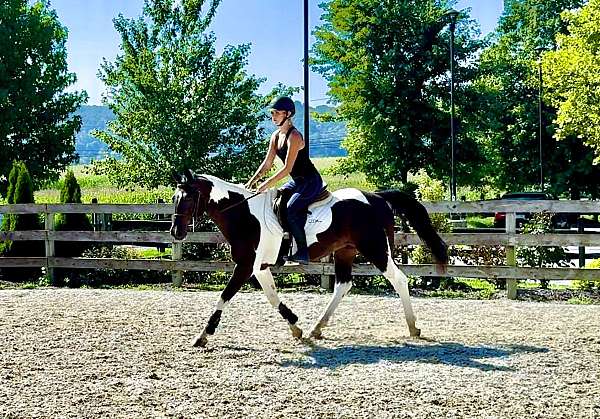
[284, 250]
[301, 256]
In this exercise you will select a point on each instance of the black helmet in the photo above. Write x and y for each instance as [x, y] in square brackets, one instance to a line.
[284, 103]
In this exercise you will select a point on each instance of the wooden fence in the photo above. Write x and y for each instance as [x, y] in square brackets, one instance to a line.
[507, 238]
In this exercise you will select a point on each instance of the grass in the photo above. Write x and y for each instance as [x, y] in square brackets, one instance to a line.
[99, 187]
[580, 301]
[334, 182]
[480, 222]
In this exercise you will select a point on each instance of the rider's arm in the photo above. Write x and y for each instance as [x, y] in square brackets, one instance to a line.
[295, 144]
[267, 162]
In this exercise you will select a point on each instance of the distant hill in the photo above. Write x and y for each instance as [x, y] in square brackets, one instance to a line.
[92, 118]
[325, 137]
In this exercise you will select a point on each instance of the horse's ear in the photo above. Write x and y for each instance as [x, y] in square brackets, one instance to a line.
[177, 177]
[189, 173]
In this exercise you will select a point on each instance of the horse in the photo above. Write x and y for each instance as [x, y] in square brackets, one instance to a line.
[349, 222]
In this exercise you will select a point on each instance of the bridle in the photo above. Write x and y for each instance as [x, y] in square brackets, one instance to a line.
[195, 217]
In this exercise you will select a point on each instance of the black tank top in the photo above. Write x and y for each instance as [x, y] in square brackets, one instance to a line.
[303, 167]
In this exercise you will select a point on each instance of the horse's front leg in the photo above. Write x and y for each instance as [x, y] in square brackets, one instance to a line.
[241, 273]
[265, 278]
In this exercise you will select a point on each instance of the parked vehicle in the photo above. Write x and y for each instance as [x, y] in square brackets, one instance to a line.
[558, 220]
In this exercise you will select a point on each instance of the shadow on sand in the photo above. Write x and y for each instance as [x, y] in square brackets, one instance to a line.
[449, 353]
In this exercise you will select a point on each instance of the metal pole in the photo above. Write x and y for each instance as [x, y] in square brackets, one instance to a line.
[540, 124]
[306, 101]
[452, 134]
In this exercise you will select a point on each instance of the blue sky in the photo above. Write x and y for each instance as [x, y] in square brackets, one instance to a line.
[274, 30]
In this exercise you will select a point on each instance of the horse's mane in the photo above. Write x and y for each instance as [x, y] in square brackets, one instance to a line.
[223, 184]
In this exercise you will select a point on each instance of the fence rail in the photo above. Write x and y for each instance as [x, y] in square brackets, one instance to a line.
[509, 239]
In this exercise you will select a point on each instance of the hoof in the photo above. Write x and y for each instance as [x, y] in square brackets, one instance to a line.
[200, 341]
[415, 333]
[316, 334]
[296, 331]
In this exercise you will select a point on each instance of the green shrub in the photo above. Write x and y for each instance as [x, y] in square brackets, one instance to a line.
[20, 191]
[588, 285]
[70, 194]
[541, 256]
[429, 189]
[114, 277]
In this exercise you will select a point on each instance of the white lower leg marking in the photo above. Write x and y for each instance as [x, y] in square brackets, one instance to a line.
[400, 283]
[265, 278]
[221, 304]
[339, 291]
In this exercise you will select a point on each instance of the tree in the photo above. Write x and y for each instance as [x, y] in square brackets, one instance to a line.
[509, 90]
[177, 104]
[37, 125]
[70, 194]
[21, 188]
[387, 66]
[573, 76]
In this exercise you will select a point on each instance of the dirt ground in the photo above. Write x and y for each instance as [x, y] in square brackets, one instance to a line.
[127, 354]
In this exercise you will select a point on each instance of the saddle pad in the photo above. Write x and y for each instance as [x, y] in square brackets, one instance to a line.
[319, 214]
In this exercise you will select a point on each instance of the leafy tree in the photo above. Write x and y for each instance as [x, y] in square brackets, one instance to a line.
[573, 76]
[37, 125]
[387, 65]
[177, 104]
[509, 125]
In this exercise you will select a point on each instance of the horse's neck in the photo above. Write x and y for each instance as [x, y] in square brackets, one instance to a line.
[221, 188]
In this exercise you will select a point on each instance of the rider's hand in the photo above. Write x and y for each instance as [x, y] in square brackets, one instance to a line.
[263, 186]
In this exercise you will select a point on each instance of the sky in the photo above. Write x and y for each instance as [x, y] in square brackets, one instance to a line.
[272, 27]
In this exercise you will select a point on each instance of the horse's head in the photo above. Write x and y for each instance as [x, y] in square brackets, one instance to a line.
[190, 199]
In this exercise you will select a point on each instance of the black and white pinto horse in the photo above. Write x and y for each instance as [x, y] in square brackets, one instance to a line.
[348, 222]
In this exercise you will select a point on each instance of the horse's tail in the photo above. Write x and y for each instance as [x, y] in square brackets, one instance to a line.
[416, 214]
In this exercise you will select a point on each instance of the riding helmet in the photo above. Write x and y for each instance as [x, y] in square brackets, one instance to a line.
[284, 103]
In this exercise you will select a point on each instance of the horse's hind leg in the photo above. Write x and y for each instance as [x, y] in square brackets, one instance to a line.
[400, 283]
[378, 252]
[265, 278]
[343, 282]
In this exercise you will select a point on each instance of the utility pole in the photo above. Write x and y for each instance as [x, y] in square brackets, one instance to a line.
[306, 73]
[453, 15]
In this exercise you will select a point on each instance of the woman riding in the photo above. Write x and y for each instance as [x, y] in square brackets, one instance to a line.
[306, 183]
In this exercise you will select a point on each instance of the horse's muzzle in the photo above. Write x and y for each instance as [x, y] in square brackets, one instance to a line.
[178, 233]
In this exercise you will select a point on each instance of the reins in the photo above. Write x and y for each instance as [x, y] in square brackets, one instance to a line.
[241, 202]
[196, 205]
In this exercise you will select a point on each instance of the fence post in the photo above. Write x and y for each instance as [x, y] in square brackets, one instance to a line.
[96, 222]
[176, 254]
[511, 260]
[581, 229]
[326, 280]
[49, 244]
[160, 246]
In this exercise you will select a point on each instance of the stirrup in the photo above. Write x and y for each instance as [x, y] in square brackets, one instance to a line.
[301, 257]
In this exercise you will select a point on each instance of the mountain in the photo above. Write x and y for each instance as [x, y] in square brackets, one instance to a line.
[90, 148]
[325, 137]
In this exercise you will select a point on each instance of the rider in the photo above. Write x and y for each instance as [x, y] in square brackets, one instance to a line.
[306, 183]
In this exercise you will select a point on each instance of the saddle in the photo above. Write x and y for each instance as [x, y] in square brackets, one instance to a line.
[283, 196]
[280, 209]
